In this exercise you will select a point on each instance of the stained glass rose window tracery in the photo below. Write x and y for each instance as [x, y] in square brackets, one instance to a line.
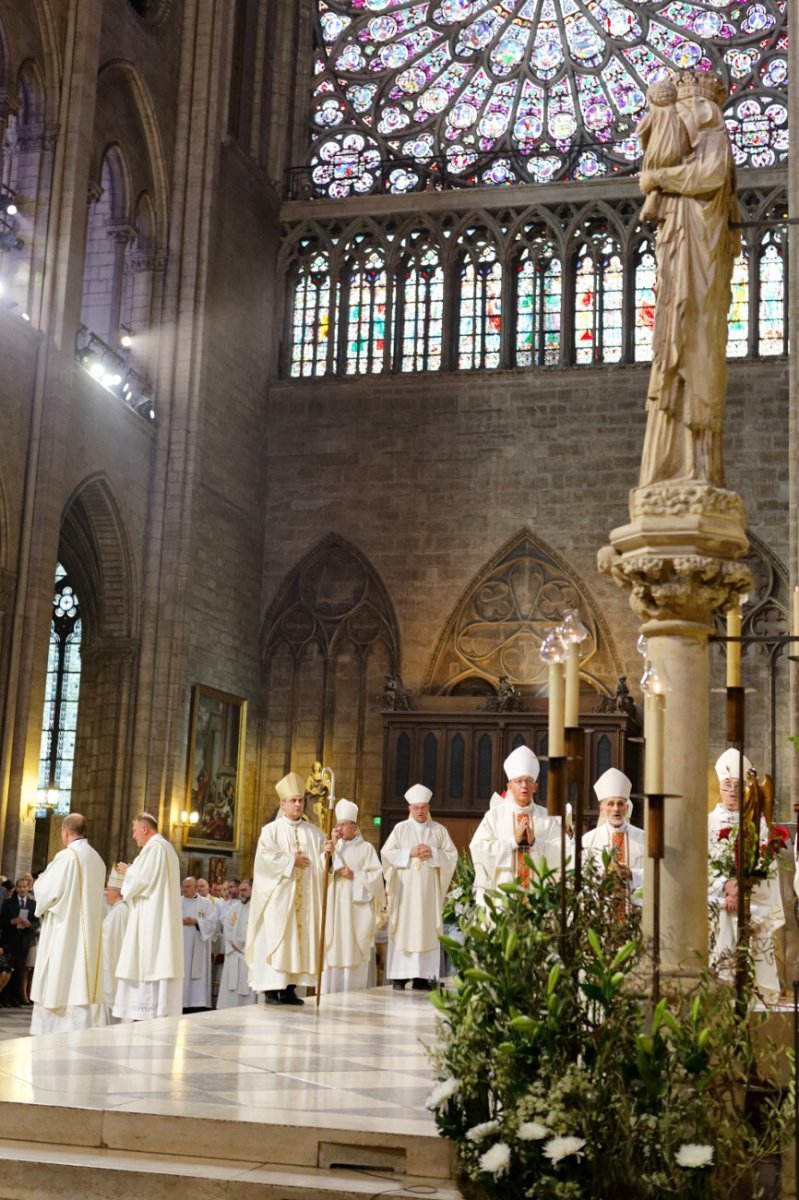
[416, 94]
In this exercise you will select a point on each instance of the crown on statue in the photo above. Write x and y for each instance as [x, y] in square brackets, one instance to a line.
[706, 84]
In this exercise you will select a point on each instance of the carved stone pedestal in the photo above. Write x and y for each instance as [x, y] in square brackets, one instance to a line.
[678, 558]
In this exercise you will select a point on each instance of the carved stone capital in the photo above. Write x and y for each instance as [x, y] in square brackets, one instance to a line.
[680, 556]
[106, 652]
[120, 232]
[36, 137]
[95, 191]
[9, 102]
[147, 260]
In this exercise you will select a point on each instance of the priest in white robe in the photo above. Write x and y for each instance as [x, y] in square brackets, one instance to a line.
[419, 860]
[615, 835]
[67, 984]
[150, 966]
[200, 930]
[234, 987]
[114, 926]
[286, 906]
[765, 907]
[356, 897]
[514, 830]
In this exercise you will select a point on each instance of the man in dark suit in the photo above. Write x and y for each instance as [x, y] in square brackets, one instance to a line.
[18, 925]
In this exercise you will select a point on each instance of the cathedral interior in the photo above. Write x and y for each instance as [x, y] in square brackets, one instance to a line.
[326, 330]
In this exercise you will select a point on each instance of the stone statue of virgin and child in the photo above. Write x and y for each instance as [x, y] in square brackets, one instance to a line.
[688, 178]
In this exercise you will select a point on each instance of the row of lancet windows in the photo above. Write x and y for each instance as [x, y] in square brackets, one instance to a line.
[408, 311]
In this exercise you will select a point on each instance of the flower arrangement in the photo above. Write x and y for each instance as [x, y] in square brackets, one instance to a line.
[761, 853]
[559, 1081]
[459, 902]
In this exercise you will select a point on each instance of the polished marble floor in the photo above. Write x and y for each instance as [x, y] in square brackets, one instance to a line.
[358, 1061]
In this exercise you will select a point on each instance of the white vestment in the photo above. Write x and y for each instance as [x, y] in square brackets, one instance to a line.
[495, 851]
[353, 906]
[197, 950]
[114, 925]
[286, 907]
[416, 891]
[634, 853]
[765, 911]
[67, 988]
[150, 966]
[234, 987]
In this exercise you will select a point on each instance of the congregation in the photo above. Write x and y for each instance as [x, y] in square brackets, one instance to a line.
[140, 943]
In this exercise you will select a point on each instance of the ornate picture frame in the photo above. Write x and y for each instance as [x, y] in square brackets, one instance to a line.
[214, 769]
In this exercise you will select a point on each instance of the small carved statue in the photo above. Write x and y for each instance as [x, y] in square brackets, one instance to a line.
[395, 698]
[506, 700]
[316, 794]
[622, 701]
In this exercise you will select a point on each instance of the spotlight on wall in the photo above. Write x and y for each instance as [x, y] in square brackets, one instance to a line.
[126, 340]
[189, 818]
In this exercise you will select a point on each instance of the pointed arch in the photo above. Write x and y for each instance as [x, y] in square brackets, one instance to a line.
[497, 626]
[96, 551]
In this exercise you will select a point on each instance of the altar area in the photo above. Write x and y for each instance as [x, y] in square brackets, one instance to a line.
[258, 1103]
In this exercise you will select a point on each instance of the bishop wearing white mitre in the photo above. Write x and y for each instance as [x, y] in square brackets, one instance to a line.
[419, 860]
[286, 907]
[150, 966]
[355, 900]
[200, 929]
[234, 987]
[515, 829]
[614, 833]
[67, 984]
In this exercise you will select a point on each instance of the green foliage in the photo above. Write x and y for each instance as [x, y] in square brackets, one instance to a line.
[459, 902]
[565, 1077]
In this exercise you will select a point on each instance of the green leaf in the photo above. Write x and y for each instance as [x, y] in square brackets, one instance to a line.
[506, 1048]
[554, 976]
[510, 944]
[525, 1025]
[479, 976]
[438, 1001]
[595, 944]
[450, 944]
[622, 955]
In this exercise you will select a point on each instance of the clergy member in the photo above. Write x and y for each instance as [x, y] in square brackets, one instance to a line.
[150, 966]
[419, 861]
[516, 829]
[67, 985]
[200, 928]
[765, 907]
[355, 900]
[114, 925]
[286, 906]
[615, 834]
[234, 987]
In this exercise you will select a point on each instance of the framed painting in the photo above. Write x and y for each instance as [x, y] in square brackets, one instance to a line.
[216, 747]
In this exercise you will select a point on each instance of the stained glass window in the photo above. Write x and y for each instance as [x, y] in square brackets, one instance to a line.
[599, 291]
[310, 323]
[420, 299]
[60, 718]
[365, 310]
[772, 323]
[644, 317]
[738, 318]
[538, 280]
[480, 313]
[412, 94]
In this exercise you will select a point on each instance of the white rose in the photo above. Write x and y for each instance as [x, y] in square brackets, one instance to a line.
[496, 1160]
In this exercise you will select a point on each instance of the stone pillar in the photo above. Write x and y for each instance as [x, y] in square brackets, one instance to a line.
[678, 558]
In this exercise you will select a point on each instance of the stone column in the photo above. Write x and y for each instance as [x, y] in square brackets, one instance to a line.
[679, 559]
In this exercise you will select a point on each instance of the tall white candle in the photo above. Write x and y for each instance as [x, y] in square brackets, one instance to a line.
[795, 615]
[734, 648]
[556, 746]
[654, 722]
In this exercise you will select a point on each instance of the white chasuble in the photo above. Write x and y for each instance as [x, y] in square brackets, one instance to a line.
[197, 950]
[286, 906]
[631, 852]
[495, 851]
[150, 966]
[353, 908]
[416, 890]
[67, 984]
[114, 925]
[234, 988]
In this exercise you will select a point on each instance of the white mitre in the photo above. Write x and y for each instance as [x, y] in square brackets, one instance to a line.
[728, 765]
[614, 783]
[418, 794]
[346, 811]
[520, 762]
[115, 878]
[289, 786]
